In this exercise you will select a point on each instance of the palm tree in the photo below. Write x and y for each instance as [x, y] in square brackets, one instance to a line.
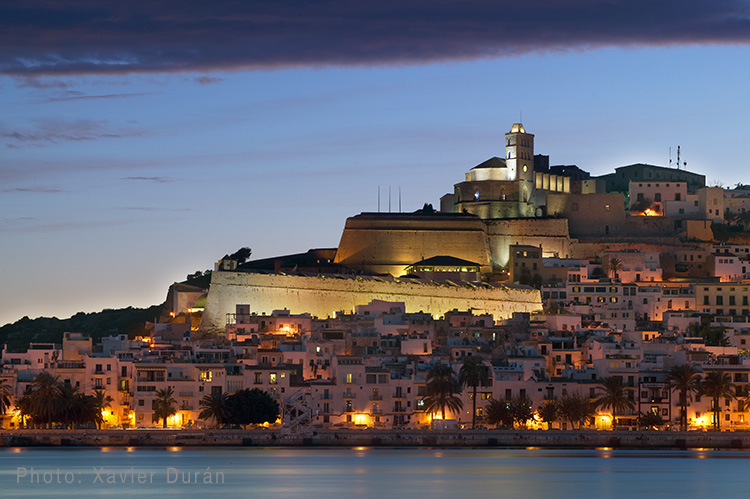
[215, 407]
[614, 266]
[43, 398]
[6, 396]
[164, 405]
[717, 385]
[72, 407]
[684, 379]
[99, 402]
[614, 397]
[473, 373]
[440, 390]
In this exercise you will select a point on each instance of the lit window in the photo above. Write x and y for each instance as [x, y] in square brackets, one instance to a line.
[205, 376]
[272, 379]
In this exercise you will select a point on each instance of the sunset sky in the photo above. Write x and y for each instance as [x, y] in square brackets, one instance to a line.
[140, 143]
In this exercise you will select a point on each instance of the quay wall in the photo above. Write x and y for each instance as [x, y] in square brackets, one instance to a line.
[322, 296]
[372, 438]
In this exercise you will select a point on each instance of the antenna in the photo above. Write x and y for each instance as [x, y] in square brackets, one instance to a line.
[670, 155]
[678, 157]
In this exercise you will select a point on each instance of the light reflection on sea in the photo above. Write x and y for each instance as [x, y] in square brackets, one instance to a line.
[313, 473]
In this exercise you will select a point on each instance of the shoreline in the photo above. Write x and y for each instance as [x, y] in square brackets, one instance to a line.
[622, 439]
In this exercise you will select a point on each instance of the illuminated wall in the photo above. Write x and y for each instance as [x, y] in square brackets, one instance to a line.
[389, 242]
[323, 296]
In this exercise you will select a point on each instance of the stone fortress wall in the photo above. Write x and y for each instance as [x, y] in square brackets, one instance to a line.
[322, 296]
[387, 243]
[550, 233]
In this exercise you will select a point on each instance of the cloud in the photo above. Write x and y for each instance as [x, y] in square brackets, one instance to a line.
[207, 80]
[159, 180]
[52, 131]
[153, 209]
[45, 37]
[39, 190]
[75, 96]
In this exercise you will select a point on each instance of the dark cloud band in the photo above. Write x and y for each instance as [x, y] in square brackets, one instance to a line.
[48, 37]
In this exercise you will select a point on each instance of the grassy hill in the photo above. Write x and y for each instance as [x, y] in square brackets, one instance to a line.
[128, 321]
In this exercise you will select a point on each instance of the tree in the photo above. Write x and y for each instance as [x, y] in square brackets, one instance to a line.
[521, 409]
[440, 390]
[72, 407]
[216, 407]
[614, 266]
[613, 397]
[240, 256]
[576, 409]
[717, 385]
[43, 398]
[252, 407]
[164, 405]
[6, 396]
[548, 412]
[650, 420]
[683, 379]
[473, 373]
[498, 412]
[99, 402]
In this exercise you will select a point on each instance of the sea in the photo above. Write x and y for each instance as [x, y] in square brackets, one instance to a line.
[371, 472]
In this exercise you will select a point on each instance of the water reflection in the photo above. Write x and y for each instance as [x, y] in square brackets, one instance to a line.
[373, 472]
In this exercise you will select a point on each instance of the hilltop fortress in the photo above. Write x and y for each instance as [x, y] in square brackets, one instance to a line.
[514, 201]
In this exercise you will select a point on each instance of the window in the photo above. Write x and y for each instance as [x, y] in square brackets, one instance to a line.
[657, 197]
[348, 379]
[272, 378]
[205, 376]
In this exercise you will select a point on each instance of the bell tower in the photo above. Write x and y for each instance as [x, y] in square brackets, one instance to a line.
[519, 154]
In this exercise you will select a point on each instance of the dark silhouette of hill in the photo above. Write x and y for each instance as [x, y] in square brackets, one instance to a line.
[130, 321]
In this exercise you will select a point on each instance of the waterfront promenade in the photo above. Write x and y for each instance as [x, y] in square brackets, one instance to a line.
[372, 438]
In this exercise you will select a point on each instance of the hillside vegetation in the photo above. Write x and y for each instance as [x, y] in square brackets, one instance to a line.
[108, 322]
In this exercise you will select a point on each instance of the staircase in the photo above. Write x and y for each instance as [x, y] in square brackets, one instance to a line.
[297, 414]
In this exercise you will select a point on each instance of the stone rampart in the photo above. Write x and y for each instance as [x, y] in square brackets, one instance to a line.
[322, 296]
[550, 233]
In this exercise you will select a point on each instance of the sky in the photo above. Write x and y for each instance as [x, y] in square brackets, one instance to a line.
[140, 143]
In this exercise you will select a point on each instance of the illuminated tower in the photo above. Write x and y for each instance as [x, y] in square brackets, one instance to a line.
[519, 154]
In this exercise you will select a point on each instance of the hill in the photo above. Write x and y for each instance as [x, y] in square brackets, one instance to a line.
[108, 322]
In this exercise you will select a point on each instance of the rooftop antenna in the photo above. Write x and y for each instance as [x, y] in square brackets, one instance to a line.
[670, 155]
[678, 157]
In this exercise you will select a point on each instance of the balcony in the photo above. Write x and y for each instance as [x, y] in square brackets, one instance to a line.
[349, 395]
[376, 396]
